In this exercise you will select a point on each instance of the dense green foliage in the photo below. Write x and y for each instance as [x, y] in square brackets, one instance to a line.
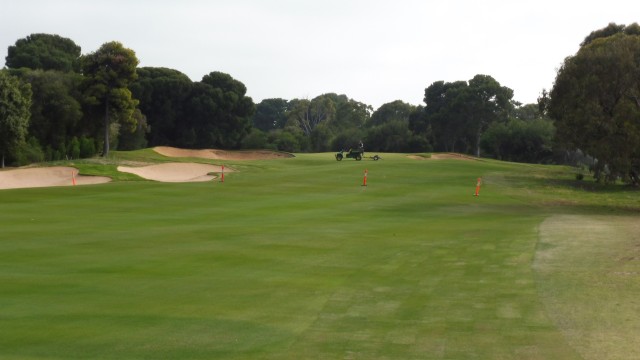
[107, 74]
[271, 114]
[44, 51]
[113, 104]
[162, 94]
[56, 110]
[458, 113]
[520, 140]
[15, 100]
[294, 259]
[595, 103]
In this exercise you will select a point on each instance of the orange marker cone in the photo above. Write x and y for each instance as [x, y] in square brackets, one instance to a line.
[73, 178]
[222, 174]
[478, 187]
[364, 182]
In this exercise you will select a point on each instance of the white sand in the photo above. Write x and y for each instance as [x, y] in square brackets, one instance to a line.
[176, 172]
[45, 177]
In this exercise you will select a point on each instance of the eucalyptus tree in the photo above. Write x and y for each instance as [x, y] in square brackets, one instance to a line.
[595, 102]
[271, 114]
[461, 111]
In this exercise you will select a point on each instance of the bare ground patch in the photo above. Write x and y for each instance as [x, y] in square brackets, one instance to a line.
[587, 268]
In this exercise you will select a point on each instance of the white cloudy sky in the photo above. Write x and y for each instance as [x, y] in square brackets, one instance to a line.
[373, 51]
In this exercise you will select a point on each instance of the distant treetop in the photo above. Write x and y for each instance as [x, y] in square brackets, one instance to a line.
[610, 30]
[45, 52]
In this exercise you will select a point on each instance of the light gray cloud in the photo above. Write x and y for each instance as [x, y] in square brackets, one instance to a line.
[372, 51]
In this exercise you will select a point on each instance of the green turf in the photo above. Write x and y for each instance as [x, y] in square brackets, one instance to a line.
[295, 259]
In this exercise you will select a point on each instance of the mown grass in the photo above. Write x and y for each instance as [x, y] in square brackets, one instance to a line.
[289, 259]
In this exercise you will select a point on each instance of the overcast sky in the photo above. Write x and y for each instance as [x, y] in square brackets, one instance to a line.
[373, 51]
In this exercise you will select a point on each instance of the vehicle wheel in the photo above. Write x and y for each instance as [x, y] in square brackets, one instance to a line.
[358, 157]
[376, 157]
[339, 157]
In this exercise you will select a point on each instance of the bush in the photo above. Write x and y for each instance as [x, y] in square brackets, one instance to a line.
[257, 139]
[74, 148]
[29, 152]
[87, 147]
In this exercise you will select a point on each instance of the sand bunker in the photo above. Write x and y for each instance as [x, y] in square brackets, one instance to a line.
[221, 154]
[442, 156]
[45, 177]
[176, 172]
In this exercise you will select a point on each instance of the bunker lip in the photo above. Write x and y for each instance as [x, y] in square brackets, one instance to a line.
[46, 177]
[176, 172]
[221, 154]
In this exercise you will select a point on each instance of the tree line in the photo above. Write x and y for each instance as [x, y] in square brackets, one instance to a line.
[57, 104]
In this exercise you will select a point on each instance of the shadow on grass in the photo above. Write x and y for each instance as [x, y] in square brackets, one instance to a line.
[593, 186]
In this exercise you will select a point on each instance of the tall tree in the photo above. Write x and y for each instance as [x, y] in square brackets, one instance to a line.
[595, 102]
[460, 112]
[163, 94]
[45, 52]
[108, 72]
[218, 113]
[610, 30]
[308, 114]
[396, 110]
[444, 114]
[488, 102]
[349, 112]
[389, 130]
[15, 101]
[328, 116]
[56, 111]
[271, 114]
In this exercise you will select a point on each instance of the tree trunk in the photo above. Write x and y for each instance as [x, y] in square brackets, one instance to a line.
[478, 143]
[3, 160]
[105, 152]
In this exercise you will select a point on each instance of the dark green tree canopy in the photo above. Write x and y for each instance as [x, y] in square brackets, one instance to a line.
[56, 110]
[162, 94]
[459, 112]
[45, 52]
[218, 113]
[521, 140]
[271, 114]
[393, 111]
[15, 101]
[595, 102]
[225, 83]
[108, 72]
[610, 30]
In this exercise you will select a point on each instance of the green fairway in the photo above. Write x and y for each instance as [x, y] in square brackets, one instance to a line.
[295, 259]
